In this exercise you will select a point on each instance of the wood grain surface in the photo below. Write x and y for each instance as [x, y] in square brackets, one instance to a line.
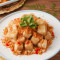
[48, 4]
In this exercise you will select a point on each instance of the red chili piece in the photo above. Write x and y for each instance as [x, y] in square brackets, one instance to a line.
[52, 33]
[36, 52]
[7, 44]
[12, 50]
[38, 49]
[18, 42]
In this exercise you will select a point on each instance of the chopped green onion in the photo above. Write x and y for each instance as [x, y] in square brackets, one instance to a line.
[23, 24]
[25, 18]
[34, 27]
[28, 20]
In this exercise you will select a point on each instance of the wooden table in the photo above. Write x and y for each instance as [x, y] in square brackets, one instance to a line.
[48, 4]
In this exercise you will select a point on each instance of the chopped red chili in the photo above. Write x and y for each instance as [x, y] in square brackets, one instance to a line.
[12, 50]
[36, 51]
[18, 42]
[53, 34]
[7, 44]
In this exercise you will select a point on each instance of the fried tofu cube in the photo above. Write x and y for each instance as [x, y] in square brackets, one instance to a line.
[21, 39]
[35, 40]
[26, 34]
[18, 47]
[12, 32]
[42, 29]
[48, 36]
[28, 45]
[42, 44]
[11, 35]
[40, 21]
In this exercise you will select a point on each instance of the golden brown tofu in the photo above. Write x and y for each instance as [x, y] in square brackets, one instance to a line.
[35, 40]
[48, 36]
[40, 21]
[42, 44]
[26, 34]
[12, 32]
[13, 40]
[28, 45]
[42, 29]
[18, 47]
[12, 36]
[21, 39]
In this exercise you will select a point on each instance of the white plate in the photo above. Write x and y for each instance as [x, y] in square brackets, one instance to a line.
[51, 51]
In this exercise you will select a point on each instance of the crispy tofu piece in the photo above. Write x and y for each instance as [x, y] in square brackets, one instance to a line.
[35, 40]
[42, 29]
[18, 47]
[40, 21]
[48, 36]
[21, 39]
[27, 32]
[11, 35]
[27, 35]
[42, 44]
[12, 32]
[28, 46]
[13, 40]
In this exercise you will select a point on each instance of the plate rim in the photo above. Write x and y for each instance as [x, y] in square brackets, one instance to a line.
[34, 11]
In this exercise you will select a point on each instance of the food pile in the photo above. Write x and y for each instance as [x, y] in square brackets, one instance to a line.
[28, 35]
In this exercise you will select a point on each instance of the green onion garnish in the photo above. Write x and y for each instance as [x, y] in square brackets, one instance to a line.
[28, 21]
